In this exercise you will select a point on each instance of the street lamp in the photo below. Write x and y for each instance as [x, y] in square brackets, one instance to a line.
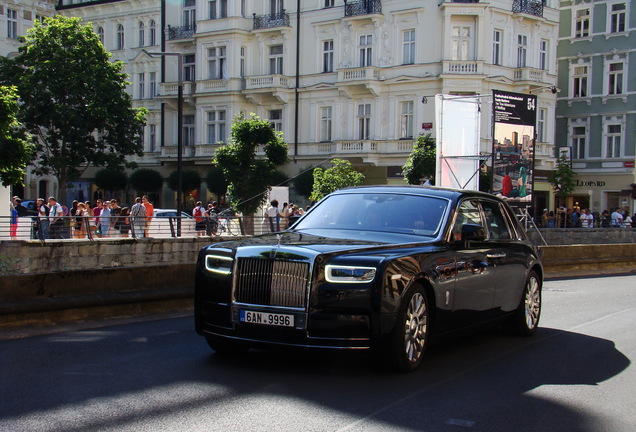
[179, 126]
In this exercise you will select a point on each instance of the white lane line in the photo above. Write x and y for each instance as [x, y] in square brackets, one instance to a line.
[469, 370]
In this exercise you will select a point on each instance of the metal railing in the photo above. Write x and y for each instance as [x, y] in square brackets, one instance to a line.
[271, 20]
[530, 7]
[183, 32]
[362, 7]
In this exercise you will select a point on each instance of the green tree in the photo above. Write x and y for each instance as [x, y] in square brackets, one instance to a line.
[15, 149]
[110, 179]
[304, 182]
[563, 177]
[339, 176]
[249, 178]
[74, 101]
[146, 180]
[217, 184]
[421, 162]
[190, 180]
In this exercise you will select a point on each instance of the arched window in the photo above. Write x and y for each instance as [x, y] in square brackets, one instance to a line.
[100, 34]
[120, 37]
[153, 33]
[142, 33]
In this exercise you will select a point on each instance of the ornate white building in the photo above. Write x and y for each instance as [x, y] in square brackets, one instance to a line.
[339, 78]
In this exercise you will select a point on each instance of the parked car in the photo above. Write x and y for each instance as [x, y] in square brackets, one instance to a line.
[384, 268]
[166, 213]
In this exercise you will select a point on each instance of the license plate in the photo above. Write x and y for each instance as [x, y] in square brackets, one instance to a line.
[267, 318]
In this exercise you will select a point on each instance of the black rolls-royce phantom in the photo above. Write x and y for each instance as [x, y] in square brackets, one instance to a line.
[378, 267]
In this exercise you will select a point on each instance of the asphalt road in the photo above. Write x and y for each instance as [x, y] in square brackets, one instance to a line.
[574, 375]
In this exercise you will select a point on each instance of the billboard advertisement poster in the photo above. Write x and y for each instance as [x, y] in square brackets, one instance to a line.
[457, 159]
[514, 124]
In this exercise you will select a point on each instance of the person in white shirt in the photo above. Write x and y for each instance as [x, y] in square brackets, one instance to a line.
[272, 216]
[617, 218]
[56, 223]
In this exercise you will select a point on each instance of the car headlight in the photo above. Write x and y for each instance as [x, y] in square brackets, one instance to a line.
[219, 264]
[349, 274]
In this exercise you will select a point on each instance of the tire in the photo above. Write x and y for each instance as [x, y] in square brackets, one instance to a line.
[525, 320]
[227, 347]
[409, 338]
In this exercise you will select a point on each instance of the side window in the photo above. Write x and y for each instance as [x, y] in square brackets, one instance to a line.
[497, 227]
[467, 213]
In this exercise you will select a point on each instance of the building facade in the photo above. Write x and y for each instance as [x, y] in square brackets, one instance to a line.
[352, 79]
[596, 108]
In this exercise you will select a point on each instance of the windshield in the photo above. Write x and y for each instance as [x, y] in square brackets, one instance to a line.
[413, 214]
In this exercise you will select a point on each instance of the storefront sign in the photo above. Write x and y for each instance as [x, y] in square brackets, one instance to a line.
[427, 126]
[590, 183]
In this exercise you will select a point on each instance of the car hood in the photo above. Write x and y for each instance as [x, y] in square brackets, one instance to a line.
[321, 241]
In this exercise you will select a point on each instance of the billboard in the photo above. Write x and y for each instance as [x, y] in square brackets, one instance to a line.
[514, 124]
[457, 159]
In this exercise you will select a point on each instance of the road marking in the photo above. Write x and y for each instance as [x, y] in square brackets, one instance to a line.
[469, 370]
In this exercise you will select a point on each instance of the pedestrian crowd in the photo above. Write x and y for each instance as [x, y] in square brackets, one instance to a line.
[283, 218]
[53, 220]
[586, 218]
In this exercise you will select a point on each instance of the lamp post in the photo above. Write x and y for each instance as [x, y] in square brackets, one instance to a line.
[179, 127]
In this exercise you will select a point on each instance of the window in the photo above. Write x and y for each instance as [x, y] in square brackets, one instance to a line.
[276, 7]
[461, 42]
[578, 142]
[364, 121]
[582, 23]
[217, 63]
[152, 131]
[188, 67]
[100, 34]
[366, 50]
[406, 119]
[496, 47]
[613, 141]
[153, 33]
[495, 221]
[327, 56]
[543, 54]
[617, 18]
[329, 3]
[142, 33]
[276, 119]
[153, 85]
[12, 24]
[189, 13]
[188, 130]
[522, 50]
[218, 9]
[467, 213]
[120, 37]
[579, 84]
[408, 47]
[242, 63]
[141, 85]
[542, 116]
[326, 122]
[276, 60]
[216, 126]
[615, 79]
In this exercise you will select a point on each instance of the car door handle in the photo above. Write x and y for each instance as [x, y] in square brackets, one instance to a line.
[496, 255]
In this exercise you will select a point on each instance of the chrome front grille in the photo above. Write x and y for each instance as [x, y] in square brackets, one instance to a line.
[271, 282]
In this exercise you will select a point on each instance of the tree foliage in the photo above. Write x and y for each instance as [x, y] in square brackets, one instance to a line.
[304, 182]
[190, 180]
[74, 100]
[563, 177]
[339, 176]
[15, 149]
[249, 178]
[146, 180]
[110, 179]
[217, 184]
[421, 162]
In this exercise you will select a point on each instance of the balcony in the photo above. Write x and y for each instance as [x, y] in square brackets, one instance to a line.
[172, 89]
[463, 67]
[530, 7]
[266, 82]
[183, 32]
[529, 74]
[271, 20]
[362, 7]
[368, 149]
[360, 81]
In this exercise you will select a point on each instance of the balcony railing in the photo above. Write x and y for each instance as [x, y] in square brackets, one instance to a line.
[362, 7]
[266, 81]
[462, 66]
[530, 7]
[529, 74]
[271, 20]
[183, 32]
[359, 74]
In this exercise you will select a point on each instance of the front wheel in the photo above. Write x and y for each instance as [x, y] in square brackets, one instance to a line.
[410, 335]
[525, 320]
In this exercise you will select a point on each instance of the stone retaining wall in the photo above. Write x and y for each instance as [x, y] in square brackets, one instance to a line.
[588, 236]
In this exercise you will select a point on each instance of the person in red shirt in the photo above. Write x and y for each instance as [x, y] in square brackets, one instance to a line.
[150, 211]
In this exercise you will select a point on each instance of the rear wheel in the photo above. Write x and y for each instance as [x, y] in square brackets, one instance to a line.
[410, 335]
[525, 320]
